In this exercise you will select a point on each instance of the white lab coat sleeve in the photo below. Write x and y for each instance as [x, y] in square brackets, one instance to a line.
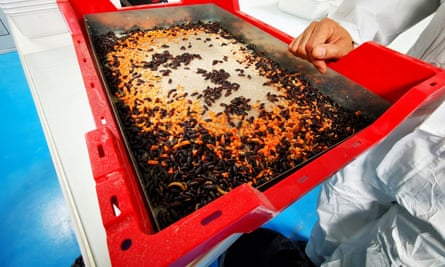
[396, 239]
[430, 46]
[308, 9]
[346, 204]
[388, 205]
[414, 172]
[348, 200]
[381, 21]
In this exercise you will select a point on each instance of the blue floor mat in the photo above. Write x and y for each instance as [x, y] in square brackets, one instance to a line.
[35, 229]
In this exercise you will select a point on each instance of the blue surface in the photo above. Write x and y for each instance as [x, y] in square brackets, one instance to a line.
[297, 220]
[35, 229]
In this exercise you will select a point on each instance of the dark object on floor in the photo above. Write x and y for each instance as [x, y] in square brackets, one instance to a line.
[78, 262]
[265, 248]
[141, 2]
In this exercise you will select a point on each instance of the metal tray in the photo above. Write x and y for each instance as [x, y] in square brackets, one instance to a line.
[342, 91]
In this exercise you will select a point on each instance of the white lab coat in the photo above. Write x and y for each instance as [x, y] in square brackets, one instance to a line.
[382, 21]
[309, 9]
[387, 207]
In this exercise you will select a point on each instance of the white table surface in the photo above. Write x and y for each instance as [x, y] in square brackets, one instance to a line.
[55, 81]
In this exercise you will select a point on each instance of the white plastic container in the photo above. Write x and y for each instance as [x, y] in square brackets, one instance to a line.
[39, 22]
[7, 5]
[35, 18]
[14, 6]
[11, 6]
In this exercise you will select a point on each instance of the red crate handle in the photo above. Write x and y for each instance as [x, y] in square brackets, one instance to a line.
[129, 232]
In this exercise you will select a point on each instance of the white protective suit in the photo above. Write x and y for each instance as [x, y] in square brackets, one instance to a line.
[387, 207]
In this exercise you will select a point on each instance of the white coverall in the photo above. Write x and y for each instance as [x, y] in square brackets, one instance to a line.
[387, 207]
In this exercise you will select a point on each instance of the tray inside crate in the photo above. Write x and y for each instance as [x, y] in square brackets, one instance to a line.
[210, 79]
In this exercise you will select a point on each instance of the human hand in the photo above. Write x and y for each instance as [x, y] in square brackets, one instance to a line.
[321, 41]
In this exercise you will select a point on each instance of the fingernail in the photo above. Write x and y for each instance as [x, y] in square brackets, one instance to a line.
[320, 52]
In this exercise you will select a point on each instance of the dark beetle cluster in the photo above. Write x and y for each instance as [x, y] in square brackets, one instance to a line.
[186, 156]
[223, 86]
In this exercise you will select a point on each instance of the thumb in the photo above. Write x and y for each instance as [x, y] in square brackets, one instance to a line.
[328, 51]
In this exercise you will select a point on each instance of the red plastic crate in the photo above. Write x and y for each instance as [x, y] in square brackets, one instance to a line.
[407, 83]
